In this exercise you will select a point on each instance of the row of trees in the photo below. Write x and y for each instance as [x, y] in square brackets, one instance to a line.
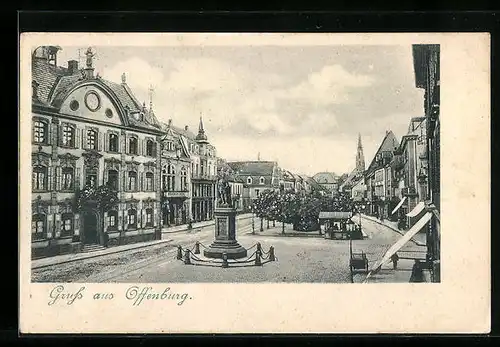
[300, 210]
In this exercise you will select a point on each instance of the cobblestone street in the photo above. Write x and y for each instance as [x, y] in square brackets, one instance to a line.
[309, 258]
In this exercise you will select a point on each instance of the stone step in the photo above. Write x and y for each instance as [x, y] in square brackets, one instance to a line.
[92, 248]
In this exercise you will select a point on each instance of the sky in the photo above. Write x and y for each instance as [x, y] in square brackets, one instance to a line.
[301, 106]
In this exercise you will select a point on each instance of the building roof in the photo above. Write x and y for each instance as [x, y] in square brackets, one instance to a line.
[54, 83]
[325, 177]
[388, 144]
[314, 184]
[253, 168]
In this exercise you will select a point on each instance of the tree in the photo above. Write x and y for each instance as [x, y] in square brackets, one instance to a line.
[103, 198]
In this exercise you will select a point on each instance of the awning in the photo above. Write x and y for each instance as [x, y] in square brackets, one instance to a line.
[416, 211]
[401, 242]
[399, 205]
[335, 215]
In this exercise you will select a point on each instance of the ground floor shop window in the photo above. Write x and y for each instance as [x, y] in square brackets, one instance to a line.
[112, 220]
[38, 227]
[132, 219]
[149, 217]
[67, 224]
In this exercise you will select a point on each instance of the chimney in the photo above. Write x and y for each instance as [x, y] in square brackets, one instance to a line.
[186, 127]
[170, 122]
[72, 66]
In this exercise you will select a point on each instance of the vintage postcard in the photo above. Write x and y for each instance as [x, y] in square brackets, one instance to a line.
[254, 183]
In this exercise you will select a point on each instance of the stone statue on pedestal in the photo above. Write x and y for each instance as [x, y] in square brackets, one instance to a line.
[224, 193]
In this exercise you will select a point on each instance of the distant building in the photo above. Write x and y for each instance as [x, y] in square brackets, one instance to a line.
[358, 190]
[358, 172]
[257, 176]
[378, 177]
[328, 180]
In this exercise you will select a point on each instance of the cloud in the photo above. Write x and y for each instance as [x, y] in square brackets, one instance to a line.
[139, 74]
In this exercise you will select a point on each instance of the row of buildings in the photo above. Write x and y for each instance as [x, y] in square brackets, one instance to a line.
[90, 132]
[402, 182]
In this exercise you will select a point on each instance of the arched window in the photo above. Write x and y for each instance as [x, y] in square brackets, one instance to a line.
[113, 179]
[112, 220]
[184, 185]
[68, 178]
[67, 224]
[38, 227]
[132, 145]
[132, 219]
[262, 180]
[68, 135]
[132, 181]
[149, 182]
[113, 142]
[39, 178]
[92, 139]
[149, 217]
[40, 131]
[150, 148]
[249, 180]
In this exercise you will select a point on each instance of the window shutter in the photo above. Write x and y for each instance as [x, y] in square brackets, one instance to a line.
[124, 181]
[77, 138]
[120, 219]
[143, 217]
[99, 141]
[58, 225]
[59, 134]
[77, 177]
[141, 187]
[106, 142]
[49, 133]
[50, 178]
[50, 224]
[105, 221]
[127, 144]
[84, 138]
[77, 224]
[58, 178]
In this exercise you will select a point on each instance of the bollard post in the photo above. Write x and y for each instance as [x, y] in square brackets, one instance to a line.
[197, 248]
[259, 247]
[224, 260]
[257, 258]
[187, 259]
[271, 254]
[179, 252]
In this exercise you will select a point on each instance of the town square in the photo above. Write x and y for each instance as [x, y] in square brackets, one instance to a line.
[273, 172]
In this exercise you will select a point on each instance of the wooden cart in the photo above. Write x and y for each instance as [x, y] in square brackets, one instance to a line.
[358, 262]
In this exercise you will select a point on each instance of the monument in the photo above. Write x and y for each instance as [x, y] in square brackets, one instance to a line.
[225, 226]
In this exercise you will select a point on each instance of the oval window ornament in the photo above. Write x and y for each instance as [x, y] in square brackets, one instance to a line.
[92, 101]
[109, 113]
[74, 105]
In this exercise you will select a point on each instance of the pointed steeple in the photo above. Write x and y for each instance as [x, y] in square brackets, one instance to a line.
[360, 158]
[201, 137]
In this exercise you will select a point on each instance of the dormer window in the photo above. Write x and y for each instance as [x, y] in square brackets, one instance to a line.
[249, 180]
[261, 180]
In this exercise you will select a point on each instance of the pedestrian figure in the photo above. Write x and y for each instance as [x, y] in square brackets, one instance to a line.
[417, 274]
[395, 259]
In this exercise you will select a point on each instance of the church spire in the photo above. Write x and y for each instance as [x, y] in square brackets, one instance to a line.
[201, 132]
[360, 158]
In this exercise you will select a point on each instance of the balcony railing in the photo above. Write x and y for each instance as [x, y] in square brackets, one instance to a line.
[176, 194]
[207, 177]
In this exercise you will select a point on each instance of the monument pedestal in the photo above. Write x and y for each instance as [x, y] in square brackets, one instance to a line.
[225, 236]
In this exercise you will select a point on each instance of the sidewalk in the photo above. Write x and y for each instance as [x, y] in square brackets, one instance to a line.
[65, 258]
[184, 227]
[388, 275]
[419, 239]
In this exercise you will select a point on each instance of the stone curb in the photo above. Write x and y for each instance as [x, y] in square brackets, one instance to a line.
[393, 229]
[112, 250]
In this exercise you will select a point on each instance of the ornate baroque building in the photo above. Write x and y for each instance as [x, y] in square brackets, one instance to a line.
[88, 132]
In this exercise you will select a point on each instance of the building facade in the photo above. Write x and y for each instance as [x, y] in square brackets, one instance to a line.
[328, 180]
[89, 132]
[426, 62]
[257, 176]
